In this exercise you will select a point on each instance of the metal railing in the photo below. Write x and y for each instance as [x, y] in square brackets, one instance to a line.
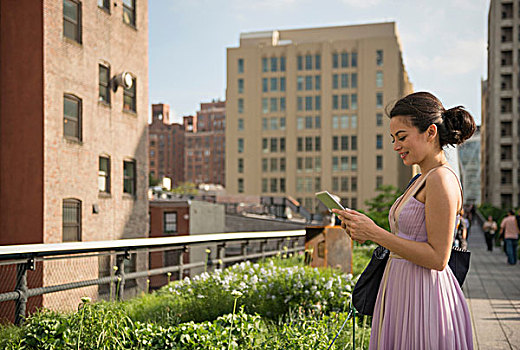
[215, 250]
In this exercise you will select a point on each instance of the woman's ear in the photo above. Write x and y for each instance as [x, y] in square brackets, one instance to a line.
[432, 132]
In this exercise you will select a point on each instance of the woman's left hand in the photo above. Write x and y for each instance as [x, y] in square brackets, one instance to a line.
[358, 226]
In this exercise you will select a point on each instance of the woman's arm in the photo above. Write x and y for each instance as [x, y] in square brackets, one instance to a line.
[442, 202]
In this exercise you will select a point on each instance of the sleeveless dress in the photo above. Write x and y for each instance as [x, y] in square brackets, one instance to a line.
[418, 308]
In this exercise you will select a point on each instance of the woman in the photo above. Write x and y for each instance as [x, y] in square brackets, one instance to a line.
[420, 304]
[489, 228]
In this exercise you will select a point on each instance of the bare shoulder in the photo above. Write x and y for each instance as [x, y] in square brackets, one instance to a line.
[443, 182]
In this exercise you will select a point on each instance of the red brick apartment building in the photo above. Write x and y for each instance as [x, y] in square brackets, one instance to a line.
[73, 129]
[189, 152]
[166, 145]
[205, 144]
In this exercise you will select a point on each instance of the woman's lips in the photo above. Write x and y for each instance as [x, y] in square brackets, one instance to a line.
[403, 155]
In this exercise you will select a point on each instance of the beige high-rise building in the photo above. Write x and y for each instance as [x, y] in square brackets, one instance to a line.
[500, 177]
[306, 112]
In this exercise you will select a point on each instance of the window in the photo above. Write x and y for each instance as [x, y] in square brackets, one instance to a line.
[300, 62]
[344, 121]
[308, 103]
[379, 58]
[308, 62]
[265, 145]
[353, 101]
[335, 143]
[353, 80]
[265, 64]
[71, 217]
[379, 162]
[282, 164]
[72, 20]
[299, 164]
[299, 185]
[274, 164]
[335, 122]
[264, 124]
[379, 141]
[344, 60]
[264, 185]
[353, 203]
[299, 83]
[317, 61]
[282, 84]
[240, 145]
[308, 122]
[335, 81]
[240, 165]
[104, 4]
[335, 163]
[379, 100]
[344, 101]
[308, 82]
[129, 178]
[240, 105]
[274, 185]
[308, 164]
[72, 117]
[344, 143]
[274, 145]
[170, 222]
[344, 81]
[129, 97]
[335, 60]
[240, 124]
[299, 123]
[344, 163]
[317, 103]
[317, 121]
[273, 104]
[335, 102]
[240, 86]
[308, 188]
[265, 105]
[344, 184]
[240, 185]
[282, 109]
[353, 163]
[317, 143]
[308, 144]
[317, 164]
[299, 103]
[274, 123]
[353, 142]
[104, 175]
[104, 84]
[129, 12]
[379, 181]
[274, 84]
[240, 65]
[353, 58]
[379, 79]
[264, 165]
[317, 82]
[379, 119]
[353, 183]
[353, 121]
[282, 64]
[274, 64]
[335, 184]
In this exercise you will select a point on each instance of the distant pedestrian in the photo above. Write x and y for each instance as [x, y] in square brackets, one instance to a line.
[489, 228]
[509, 230]
[461, 231]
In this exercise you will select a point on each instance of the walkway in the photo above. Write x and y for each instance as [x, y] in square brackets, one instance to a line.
[492, 289]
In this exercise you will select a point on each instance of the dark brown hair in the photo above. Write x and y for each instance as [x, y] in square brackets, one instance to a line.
[454, 125]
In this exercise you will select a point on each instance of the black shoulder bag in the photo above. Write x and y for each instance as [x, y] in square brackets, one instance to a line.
[365, 291]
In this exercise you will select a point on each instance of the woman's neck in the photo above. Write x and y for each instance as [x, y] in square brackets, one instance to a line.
[433, 161]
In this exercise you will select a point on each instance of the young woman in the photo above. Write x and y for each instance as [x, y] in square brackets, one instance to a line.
[420, 304]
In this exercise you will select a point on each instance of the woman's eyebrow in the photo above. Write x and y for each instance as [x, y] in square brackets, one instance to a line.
[397, 133]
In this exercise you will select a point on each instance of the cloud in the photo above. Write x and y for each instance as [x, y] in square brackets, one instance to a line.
[362, 3]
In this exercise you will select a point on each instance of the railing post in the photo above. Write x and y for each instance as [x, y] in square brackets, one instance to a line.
[121, 274]
[221, 254]
[262, 247]
[181, 262]
[243, 250]
[21, 288]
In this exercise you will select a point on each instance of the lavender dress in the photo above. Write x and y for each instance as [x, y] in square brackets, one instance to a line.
[418, 308]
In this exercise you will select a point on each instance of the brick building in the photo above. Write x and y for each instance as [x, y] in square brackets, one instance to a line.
[73, 135]
[205, 144]
[166, 145]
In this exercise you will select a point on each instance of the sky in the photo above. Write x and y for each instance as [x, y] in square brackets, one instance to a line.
[444, 43]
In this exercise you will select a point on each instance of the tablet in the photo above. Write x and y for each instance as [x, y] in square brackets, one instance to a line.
[330, 202]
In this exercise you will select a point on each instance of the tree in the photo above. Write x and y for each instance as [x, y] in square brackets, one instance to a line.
[152, 181]
[379, 206]
[186, 188]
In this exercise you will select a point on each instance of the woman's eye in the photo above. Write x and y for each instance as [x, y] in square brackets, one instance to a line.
[402, 138]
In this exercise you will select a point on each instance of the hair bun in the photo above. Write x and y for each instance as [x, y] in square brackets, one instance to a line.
[459, 124]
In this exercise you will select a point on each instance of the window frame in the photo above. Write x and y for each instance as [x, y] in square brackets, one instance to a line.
[130, 93]
[107, 176]
[104, 85]
[76, 203]
[77, 23]
[132, 11]
[78, 120]
[132, 179]
[166, 223]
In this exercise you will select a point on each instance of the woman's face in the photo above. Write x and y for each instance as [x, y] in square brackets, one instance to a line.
[490, 218]
[411, 145]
